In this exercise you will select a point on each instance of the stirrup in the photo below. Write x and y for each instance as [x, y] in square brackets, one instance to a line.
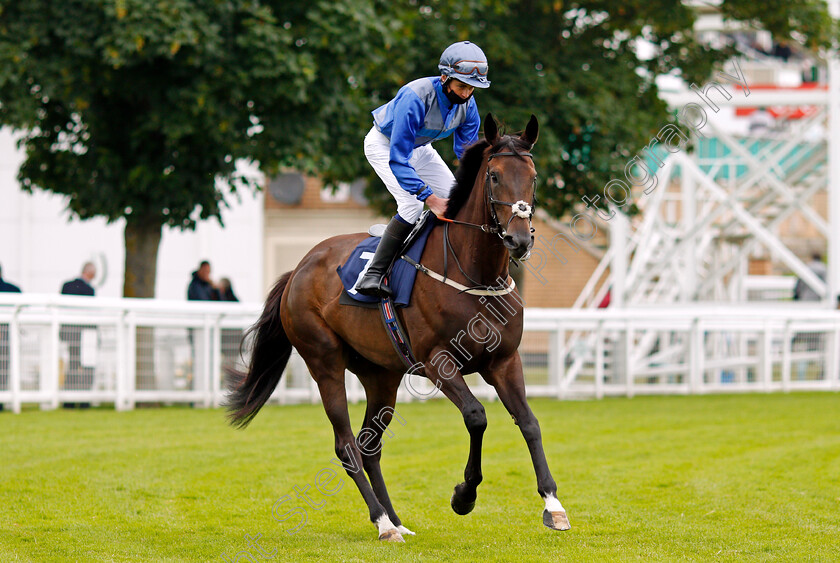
[382, 289]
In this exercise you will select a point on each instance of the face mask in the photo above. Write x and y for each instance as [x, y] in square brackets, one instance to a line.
[455, 98]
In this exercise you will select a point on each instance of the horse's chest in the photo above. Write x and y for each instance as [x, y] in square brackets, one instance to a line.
[475, 336]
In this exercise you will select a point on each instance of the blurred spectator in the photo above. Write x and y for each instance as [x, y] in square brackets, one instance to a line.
[802, 291]
[782, 50]
[201, 288]
[761, 122]
[226, 291]
[81, 285]
[5, 287]
[78, 376]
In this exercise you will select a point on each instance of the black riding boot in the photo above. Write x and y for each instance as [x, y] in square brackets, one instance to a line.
[392, 240]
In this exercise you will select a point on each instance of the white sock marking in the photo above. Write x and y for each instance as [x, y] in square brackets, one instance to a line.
[552, 504]
[384, 524]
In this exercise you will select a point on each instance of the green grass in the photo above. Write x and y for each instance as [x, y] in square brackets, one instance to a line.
[729, 478]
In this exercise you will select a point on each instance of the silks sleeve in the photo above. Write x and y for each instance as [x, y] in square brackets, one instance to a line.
[409, 115]
[467, 133]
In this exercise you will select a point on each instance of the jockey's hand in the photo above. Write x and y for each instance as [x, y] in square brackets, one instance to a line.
[437, 204]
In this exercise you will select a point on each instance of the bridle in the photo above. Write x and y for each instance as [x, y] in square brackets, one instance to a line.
[519, 209]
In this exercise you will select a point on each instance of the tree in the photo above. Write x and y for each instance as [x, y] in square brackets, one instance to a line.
[574, 65]
[134, 109]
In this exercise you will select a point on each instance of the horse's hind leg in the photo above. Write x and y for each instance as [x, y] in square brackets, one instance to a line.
[324, 354]
[509, 382]
[334, 397]
[381, 390]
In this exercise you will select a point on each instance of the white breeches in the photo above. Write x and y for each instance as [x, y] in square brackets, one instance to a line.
[426, 162]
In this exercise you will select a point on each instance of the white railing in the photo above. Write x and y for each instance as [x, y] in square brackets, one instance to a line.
[59, 349]
[62, 349]
[697, 348]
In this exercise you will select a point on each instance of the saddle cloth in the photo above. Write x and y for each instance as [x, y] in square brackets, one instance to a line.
[402, 275]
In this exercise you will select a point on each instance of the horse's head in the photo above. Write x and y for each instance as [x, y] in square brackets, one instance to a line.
[511, 181]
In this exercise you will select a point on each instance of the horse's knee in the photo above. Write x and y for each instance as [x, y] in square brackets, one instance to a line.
[475, 418]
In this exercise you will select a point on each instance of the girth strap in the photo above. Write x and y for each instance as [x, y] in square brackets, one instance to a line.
[396, 332]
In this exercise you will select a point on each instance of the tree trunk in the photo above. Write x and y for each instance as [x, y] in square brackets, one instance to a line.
[142, 241]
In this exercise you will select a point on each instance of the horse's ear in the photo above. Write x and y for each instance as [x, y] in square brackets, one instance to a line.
[532, 131]
[491, 130]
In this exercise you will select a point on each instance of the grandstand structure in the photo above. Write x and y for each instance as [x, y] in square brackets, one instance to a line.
[726, 202]
[722, 209]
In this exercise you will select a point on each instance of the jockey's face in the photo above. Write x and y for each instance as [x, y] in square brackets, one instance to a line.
[462, 90]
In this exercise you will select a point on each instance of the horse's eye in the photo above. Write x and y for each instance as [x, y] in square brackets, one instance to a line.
[494, 178]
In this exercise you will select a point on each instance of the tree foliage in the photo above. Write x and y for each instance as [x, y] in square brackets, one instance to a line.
[134, 108]
[574, 65]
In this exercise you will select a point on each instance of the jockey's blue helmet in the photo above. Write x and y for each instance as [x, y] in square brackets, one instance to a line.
[466, 62]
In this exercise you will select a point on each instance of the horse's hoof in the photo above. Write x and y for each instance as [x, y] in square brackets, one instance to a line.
[460, 505]
[461, 508]
[392, 535]
[556, 520]
[405, 531]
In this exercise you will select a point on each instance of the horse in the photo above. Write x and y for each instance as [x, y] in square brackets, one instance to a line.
[480, 232]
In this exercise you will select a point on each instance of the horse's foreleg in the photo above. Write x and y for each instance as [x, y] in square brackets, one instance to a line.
[381, 397]
[510, 385]
[457, 391]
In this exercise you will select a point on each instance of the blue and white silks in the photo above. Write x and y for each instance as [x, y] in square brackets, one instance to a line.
[419, 114]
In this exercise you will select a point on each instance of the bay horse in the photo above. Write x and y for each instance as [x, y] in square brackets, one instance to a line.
[303, 311]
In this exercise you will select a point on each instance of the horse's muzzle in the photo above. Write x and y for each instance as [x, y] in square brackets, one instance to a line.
[517, 244]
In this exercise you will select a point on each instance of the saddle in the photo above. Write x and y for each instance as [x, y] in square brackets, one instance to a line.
[401, 274]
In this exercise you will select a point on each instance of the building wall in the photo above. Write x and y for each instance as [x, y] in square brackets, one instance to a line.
[40, 247]
[557, 270]
[291, 231]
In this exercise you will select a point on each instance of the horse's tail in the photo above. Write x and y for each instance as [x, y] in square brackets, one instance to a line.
[250, 390]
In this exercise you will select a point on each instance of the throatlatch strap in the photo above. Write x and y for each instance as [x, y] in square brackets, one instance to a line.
[396, 332]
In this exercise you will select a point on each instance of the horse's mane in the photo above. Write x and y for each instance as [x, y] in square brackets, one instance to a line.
[471, 163]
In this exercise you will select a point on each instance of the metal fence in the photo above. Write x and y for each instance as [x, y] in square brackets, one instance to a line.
[60, 350]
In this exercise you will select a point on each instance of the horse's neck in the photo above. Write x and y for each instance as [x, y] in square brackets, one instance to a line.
[482, 255]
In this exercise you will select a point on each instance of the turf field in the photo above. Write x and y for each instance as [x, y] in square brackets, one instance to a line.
[729, 478]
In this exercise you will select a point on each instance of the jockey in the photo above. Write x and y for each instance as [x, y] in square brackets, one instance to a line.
[400, 151]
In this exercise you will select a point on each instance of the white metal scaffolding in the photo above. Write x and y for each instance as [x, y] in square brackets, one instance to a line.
[722, 203]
